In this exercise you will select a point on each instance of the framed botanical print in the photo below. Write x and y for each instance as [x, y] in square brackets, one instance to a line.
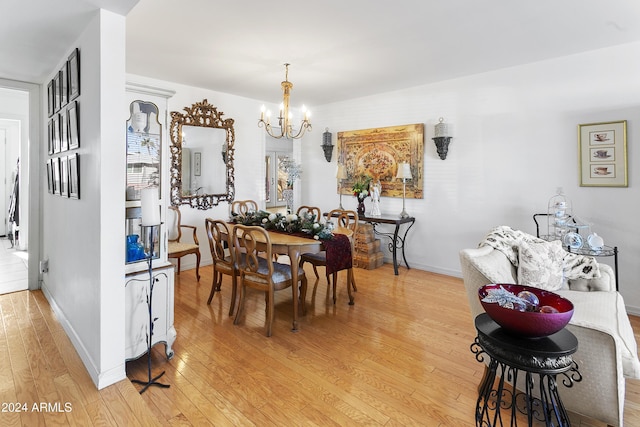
[64, 177]
[73, 125]
[603, 154]
[55, 168]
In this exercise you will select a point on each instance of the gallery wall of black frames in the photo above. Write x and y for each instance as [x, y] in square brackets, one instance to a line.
[63, 132]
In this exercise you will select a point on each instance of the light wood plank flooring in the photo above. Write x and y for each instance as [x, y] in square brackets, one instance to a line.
[399, 356]
[13, 267]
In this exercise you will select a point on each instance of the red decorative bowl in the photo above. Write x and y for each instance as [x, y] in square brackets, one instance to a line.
[531, 324]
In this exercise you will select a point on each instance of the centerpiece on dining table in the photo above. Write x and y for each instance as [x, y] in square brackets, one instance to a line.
[360, 189]
[306, 223]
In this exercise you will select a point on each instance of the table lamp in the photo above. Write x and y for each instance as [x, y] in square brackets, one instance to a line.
[404, 173]
[341, 174]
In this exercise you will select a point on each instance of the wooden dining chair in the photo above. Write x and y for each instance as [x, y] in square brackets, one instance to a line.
[176, 248]
[224, 258]
[344, 220]
[242, 207]
[310, 209]
[259, 271]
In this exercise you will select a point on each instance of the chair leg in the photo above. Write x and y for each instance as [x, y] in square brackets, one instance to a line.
[303, 295]
[270, 313]
[213, 286]
[335, 282]
[198, 266]
[178, 266]
[240, 309]
[315, 270]
[350, 284]
[234, 288]
[353, 280]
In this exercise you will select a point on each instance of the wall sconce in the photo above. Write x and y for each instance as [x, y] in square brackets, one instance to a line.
[341, 174]
[442, 138]
[327, 147]
[404, 173]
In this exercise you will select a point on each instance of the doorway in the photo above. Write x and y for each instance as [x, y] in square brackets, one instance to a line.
[19, 142]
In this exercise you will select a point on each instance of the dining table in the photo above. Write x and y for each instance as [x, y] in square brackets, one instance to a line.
[294, 245]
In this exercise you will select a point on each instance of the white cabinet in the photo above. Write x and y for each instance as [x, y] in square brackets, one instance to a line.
[137, 312]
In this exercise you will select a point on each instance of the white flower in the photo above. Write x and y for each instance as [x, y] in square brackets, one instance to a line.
[316, 237]
[264, 220]
[316, 225]
[292, 217]
[272, 217]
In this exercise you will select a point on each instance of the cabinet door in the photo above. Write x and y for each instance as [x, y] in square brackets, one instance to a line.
[137, 322]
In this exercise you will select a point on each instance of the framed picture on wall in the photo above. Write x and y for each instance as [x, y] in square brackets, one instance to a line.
[64, 138]
[50, 138]
[55, 168]
[603, 154]
[73, 161]
[49, 177]
[56, 133]
[50, 99]
[56, 93]
[73, 128]
[64, 83]
[64, 177]
[73, 70]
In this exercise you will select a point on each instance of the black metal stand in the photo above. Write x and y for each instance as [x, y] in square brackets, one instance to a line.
[152, 279]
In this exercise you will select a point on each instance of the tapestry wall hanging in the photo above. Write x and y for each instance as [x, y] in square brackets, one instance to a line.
[378, 152]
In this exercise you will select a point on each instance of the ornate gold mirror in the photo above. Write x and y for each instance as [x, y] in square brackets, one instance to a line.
[202, 172]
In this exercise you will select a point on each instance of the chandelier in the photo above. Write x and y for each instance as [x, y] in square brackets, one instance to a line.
[285, 116]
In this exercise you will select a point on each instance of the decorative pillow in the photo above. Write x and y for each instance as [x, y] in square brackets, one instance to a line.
[540, 264]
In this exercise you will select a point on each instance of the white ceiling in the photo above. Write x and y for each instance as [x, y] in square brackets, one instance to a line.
[338, 49]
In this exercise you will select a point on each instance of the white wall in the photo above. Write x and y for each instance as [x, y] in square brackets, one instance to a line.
[515, 142]
[83, 238]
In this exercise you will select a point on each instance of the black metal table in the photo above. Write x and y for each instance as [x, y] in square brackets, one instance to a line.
[396, 240]
[541, 359]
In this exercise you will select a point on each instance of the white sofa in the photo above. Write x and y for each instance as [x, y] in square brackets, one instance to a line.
[607, 350]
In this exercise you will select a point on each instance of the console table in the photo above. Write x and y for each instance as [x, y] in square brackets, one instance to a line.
[396, 240]
[545, 357]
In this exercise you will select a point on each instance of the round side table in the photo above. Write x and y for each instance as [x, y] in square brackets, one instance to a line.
[540, 360]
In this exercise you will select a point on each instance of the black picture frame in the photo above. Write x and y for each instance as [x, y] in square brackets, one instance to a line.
[74, 175]
[56, 93]
[50, 137]
[73, 125]
[55, 135]
[49, 176]
[55, 171]
[50, 98]
[73, 67]
[64, 177]
[64, 84]
[64, 137]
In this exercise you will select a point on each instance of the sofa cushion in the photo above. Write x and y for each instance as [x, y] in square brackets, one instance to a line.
[540, 264]
[605, 311]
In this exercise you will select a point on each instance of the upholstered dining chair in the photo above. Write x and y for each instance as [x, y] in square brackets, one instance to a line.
[242, 207]
[176, 248]
[224, 258]
[344, 220]
[259, 271]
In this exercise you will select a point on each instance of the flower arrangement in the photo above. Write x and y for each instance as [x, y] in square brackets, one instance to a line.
[290, 223]
[292, 169]
[360, 186]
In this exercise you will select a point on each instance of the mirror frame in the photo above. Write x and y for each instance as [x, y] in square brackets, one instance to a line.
[200, 114]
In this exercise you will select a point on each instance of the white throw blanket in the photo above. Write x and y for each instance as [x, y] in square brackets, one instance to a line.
[507, 240]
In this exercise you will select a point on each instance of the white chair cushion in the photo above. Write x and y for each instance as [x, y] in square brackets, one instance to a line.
[605, 311]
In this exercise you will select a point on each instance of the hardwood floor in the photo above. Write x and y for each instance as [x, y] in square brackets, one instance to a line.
[399, 356]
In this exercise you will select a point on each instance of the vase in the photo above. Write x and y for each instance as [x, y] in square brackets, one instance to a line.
[288, 198]
[135, 249]
[361, 207]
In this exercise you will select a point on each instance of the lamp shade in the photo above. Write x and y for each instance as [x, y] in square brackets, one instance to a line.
[341, 172]
[404, 171]
[150, 206]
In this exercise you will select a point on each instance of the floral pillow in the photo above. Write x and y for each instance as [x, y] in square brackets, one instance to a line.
[540, 264]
